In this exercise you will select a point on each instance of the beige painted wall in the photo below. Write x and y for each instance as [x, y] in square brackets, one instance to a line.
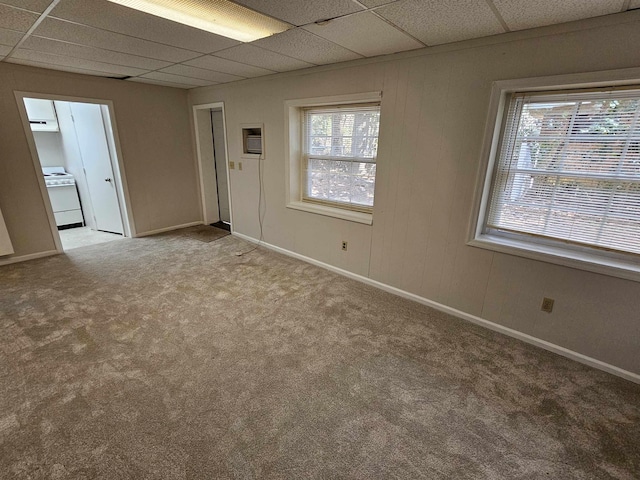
[155, 136]
[434, 108]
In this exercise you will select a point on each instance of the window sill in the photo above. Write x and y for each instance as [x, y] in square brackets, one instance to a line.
[358, 217]
[581, 259]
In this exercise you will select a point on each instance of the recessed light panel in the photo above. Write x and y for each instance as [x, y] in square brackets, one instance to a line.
[221, 17]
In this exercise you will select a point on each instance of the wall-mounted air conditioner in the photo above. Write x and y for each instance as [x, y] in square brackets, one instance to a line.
[254, 144]
[42, 115]
[253, 141]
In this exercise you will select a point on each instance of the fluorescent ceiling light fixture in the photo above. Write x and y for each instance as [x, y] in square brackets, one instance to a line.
[221, 17]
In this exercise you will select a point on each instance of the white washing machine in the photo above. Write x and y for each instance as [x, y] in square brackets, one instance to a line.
[64, 197]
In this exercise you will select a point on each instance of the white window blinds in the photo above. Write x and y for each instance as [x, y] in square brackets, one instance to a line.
[340, 147]
[569, 169]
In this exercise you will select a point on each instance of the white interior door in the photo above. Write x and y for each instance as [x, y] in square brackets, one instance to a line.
[92, 143]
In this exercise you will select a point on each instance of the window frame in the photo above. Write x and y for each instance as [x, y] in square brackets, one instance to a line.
[294, 155]
[557, 252]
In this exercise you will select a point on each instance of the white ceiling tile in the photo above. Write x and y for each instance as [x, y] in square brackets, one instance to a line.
[16, 19]
[10, 37]
[90, 53]
[299, 43]
[200, 73]
[227, 66]
[170, 78]
[158, 82]
[301, 13]
[521, 14]
[33, 5]
[116, 70]
[262, 58]
[355, 32]
[435, 22]
[4, 50]
[62, 68]
[116, 18]
[376, 3]
[94, 37]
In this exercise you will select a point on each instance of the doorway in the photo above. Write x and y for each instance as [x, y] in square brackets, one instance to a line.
[220, 161]
[76, 151]
[211, 144]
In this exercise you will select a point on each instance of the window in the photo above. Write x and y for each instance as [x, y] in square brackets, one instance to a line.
[566, 176]
[331, 156]
[339, 160]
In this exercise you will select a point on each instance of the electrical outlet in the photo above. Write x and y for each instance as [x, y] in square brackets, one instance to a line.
[239, 165]
[547, 305]
[344, 245]
[232, 165]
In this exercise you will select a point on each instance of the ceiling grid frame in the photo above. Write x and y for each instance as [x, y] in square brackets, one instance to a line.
[153, 57]
[498, 15]
[35, 25]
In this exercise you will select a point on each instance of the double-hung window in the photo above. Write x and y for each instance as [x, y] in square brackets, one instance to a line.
[339, 155]
[566, 176]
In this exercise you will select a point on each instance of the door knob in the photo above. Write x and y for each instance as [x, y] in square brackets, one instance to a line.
[107, 180]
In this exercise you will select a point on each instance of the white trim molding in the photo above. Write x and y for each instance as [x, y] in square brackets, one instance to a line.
[342, 213]
[550, 251]
[293, 154]
[565, 352]
[26, 258]
[122, 189]
[6, 247]
[206, 215]
[168, 229]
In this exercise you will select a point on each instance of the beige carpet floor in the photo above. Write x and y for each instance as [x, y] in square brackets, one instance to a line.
[171, 358]
[204, 233]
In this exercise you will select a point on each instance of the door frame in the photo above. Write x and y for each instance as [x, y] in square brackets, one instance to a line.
[201, 160]
[117, 165]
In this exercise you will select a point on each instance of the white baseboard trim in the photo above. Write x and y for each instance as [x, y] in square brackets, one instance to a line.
[25, 258]
[552, 347]
[168, 229]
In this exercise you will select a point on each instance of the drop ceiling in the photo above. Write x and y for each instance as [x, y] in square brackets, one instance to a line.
[97, 37]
